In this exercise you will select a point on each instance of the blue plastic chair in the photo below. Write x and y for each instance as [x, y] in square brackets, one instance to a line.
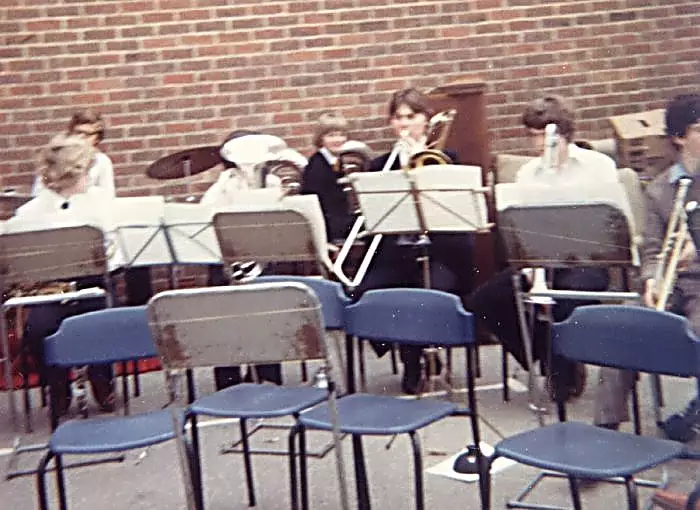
[105, 336]
[409, 317]
[243, 324]
[625, 337]
[333, 302]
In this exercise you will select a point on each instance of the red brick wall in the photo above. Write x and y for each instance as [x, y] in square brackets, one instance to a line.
[174, 74]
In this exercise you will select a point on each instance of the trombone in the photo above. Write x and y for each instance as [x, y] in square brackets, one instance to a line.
[432, 153]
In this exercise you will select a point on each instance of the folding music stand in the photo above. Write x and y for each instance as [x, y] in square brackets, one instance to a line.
[150, 232]
[556, 227]
[29, 254]
[290, 229]
[551, 227]
[439, 198]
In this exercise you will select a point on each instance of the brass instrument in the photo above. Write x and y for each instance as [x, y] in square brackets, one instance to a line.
[438, 129]
[353, 157]
[674, 240]
[288, 172]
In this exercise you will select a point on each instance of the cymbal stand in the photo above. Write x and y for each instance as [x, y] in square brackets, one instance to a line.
[187, 171]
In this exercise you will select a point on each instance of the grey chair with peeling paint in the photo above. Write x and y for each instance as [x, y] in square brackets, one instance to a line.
[247, 324]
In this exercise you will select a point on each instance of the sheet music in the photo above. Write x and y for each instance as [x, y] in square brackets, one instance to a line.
[191, 234]
[529, 195]
[450, 196]
[140, 237]
[580, 226]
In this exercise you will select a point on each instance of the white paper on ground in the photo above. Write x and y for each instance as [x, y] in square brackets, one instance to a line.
[444, 468]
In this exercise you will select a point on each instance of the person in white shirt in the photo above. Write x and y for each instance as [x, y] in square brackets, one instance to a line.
[566, 164]
[65, 193]
[90, 126]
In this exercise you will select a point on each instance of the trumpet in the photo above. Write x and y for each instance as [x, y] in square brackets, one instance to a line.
[675, 239]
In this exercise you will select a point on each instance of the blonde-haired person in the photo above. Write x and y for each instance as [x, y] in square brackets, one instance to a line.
[320, 178]
[66, 194]
[89, 126]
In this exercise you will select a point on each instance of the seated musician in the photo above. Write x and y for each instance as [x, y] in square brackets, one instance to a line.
[321, 179]
[395, 264]
[65, 192]
[683, 129]
[231, 182]
[494, 302]
[90, 126]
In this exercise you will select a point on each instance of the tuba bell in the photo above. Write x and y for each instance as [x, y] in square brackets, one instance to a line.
[438, 130]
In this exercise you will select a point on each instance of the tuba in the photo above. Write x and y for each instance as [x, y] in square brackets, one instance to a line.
[438, 130]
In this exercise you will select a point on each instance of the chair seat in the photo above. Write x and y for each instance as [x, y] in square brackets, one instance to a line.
[258, 401]
[587, 451]
[378, 414]
[103, 435]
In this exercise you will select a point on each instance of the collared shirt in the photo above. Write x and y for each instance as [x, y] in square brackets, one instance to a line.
[582, 165]
[328, 155]
[677, 172]
[100, 174]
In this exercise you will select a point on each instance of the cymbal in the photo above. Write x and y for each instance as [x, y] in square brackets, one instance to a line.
[174, 166]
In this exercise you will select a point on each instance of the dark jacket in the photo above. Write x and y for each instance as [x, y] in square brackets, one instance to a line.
[320, 179]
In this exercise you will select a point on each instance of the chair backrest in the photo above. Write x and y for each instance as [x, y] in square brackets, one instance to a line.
[507, 166]
[253, 323]
[412, 317]
[104, 336]
[330, 294]
[29, 256]
[629, 337]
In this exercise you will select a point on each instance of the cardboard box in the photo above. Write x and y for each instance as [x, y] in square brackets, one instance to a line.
[641, 142]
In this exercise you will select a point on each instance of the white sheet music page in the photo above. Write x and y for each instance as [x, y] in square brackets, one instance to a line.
[191, 233]
[140, 236]
[450, 197]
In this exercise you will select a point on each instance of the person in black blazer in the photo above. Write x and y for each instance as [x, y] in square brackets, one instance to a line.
[395, 264]
[321, 179]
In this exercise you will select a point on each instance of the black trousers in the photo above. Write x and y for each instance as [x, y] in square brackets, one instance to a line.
[396, 266]
[493, 304]
[44, 321]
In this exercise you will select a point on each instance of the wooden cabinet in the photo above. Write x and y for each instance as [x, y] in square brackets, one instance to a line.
[469, 137]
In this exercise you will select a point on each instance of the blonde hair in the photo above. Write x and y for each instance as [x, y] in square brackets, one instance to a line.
[327, 123]
[64, 161]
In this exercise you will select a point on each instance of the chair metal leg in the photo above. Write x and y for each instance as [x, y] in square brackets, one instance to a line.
[248, 463]
[293, 479]
[61, 483]
[137, 380]
[632, 499]
[504, 374]
[417, 471]
[394, 365]
[636, 420]
[196, 463]
[41, 481]
[575, 494]
[477, 361]
[304, 372]
[362, 487]
[361, 361]
[304, 469]
[125, 387]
